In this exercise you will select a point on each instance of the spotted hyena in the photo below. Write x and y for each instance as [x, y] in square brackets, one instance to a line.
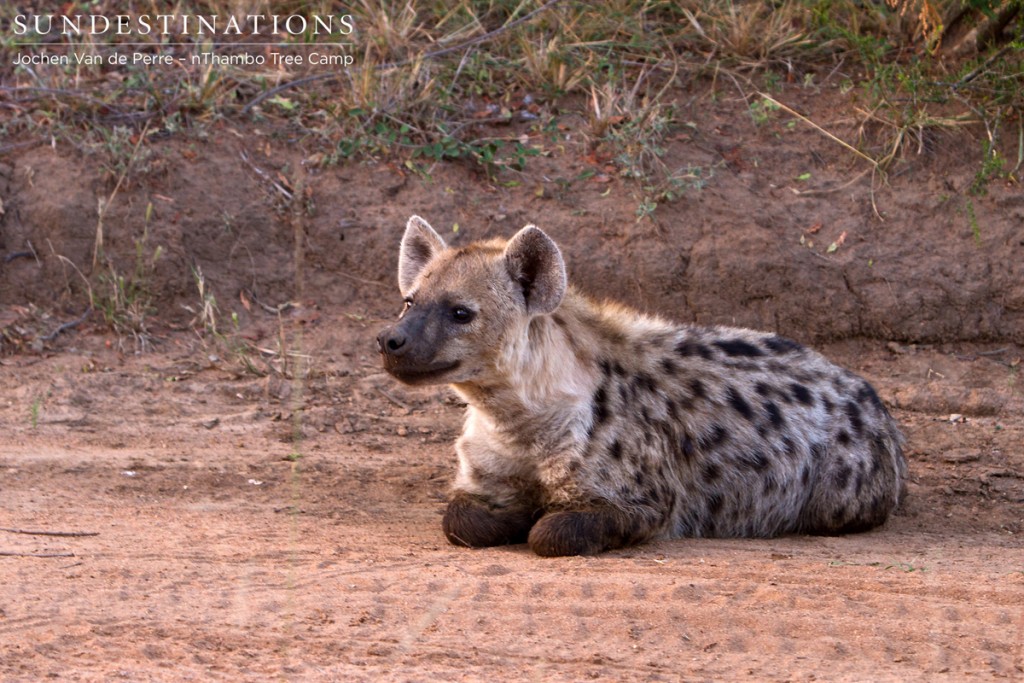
[590, 426]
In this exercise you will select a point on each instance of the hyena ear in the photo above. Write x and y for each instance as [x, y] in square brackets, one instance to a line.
[535, 263]
[420, 244]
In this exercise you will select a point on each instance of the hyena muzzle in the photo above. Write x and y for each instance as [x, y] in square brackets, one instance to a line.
[591, 427]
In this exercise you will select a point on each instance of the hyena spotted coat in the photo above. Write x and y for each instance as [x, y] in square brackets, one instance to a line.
[590, 426]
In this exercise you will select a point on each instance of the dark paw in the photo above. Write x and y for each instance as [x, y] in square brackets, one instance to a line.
[582, 532]
[471, 522]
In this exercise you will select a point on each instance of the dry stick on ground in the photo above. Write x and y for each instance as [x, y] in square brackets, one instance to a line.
[265, 176]
[6, 149]
[49, 533]
[391, 65]
[65, 327]
[9, 553]
[56, 93]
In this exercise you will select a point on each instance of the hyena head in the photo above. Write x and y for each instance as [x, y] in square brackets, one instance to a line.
[460, 304]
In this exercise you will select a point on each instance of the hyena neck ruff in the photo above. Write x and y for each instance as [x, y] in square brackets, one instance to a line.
[539, 389]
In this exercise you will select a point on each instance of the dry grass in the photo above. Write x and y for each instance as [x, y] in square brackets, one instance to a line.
[430, 77]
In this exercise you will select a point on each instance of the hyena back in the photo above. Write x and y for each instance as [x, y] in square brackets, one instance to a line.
[591, 427]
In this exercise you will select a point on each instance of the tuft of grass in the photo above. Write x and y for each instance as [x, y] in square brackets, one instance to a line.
[125, 296]
[972, 219]
[206, 325]
[34, 411]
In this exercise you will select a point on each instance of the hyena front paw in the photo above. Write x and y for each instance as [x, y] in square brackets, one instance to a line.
[587, 532]
[471, 522]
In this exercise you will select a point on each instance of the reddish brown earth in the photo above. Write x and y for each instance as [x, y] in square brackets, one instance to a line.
[286, 523]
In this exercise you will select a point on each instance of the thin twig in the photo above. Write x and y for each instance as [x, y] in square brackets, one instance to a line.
[394, 400]
[392, 65]
[978, 71]
[68, 325]
[821, 130]
[57, 93]
[8, 553]
[830, 190]
[14, 146]
[362, 279]
[263, 174]
[18, 254]
[49, 533]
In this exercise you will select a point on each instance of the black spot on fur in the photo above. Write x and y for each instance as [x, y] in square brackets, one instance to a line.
[762, 389]
[645, 382]
[843, 437]
[711, 472]
[606, 367]
[638, 477]
[600, 407]
[738, 347]
[756, 461]
[617, 368]
[715, 501]
[867, 394]
[616, 450]
[805, 476]
[739, 404]
[802, 394]
[668, 366]
[853, 414]
[687, 448]
[671, 409]
[774, 415]
[688, 347]
[713, 439]
[842, 476]
[781, 345]
[829, 406]
[697, 388]
[878, 454]
[817, 451]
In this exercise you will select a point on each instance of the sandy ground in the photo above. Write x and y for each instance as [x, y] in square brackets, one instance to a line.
[245, 527]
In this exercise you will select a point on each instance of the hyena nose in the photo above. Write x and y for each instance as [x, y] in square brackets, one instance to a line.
[391, 342]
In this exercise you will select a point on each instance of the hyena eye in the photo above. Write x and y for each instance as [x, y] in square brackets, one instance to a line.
[406, 305]
[462, 315]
